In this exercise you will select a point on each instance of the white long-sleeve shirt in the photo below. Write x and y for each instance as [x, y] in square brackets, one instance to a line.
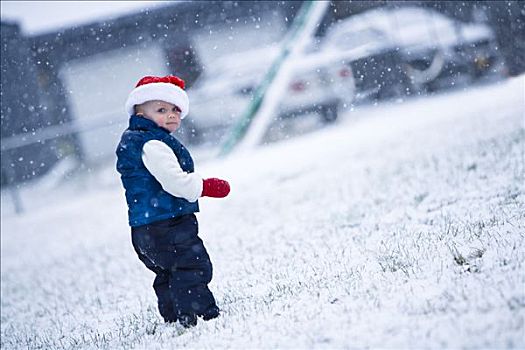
[163, 164]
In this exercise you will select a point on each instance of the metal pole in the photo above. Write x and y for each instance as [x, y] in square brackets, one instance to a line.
[9, 174]
[259, 108]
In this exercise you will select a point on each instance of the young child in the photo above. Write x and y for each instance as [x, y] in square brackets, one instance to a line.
[162, 189]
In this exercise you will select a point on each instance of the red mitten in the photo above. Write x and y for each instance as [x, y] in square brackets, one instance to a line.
[214, 187]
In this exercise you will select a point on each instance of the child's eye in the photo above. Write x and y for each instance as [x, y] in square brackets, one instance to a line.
[176, 109]
[161, 110]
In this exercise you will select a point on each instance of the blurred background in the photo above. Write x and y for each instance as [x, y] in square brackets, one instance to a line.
[67, 67]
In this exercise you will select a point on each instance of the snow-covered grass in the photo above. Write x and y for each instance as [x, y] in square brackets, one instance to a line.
[402, 226]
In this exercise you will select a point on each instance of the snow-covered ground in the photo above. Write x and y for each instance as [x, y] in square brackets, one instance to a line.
[401, 226]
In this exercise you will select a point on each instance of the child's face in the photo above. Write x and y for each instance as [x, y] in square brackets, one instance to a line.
[164, 114]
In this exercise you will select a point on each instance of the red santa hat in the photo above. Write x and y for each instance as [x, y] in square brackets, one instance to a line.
[168, 89]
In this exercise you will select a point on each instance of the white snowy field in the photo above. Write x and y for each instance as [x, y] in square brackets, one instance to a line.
[401, 226]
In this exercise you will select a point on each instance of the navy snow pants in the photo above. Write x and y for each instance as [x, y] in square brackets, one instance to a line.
[172, 249]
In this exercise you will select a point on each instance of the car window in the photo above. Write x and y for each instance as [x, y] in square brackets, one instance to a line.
[422, 27]
[359, 38]
[238, 68]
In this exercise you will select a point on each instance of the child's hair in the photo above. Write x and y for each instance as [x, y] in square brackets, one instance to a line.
[137, 110]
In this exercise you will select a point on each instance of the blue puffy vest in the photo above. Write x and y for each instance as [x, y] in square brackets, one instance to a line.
[147, 201]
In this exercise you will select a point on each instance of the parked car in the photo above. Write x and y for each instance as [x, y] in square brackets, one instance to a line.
[410, 50]
[222, 95]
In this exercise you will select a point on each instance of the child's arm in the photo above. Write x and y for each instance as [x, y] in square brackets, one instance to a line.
[162, 163]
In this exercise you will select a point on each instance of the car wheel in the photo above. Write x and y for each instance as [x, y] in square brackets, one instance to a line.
[388, 92]
[329, 113]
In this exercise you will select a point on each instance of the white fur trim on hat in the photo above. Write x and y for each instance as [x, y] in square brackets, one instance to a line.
[166, 92]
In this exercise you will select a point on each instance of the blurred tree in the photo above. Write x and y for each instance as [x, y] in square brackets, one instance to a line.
[507, 18]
